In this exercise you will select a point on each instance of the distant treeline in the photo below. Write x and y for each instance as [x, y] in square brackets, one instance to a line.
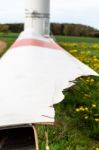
[57, 29]
[16, 28]
[74, 30]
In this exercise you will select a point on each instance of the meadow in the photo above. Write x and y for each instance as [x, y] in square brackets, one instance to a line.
[8, 38]
[77, 117]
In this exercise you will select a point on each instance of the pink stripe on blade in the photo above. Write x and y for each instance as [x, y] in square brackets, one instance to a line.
[34, 42]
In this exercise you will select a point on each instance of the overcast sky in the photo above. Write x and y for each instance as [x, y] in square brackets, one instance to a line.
[70, 11]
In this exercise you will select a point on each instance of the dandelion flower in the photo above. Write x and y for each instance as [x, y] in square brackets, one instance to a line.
[93, 105]
[97, 119]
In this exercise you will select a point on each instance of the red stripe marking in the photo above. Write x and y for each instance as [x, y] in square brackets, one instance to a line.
[34, 42]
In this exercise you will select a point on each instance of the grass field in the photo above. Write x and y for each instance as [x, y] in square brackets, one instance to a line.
[77, 117]
[77, 39]
[9, 38]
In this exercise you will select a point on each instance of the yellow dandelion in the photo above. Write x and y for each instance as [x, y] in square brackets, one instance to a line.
[77, 109]
[87, 80]
[73, 51]
[86, 117]
[86, 108]
[97, 119]
[81, 108]
[93, 105]
[92, 80]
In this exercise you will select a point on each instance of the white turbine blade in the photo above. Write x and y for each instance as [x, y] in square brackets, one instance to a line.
[35, 71]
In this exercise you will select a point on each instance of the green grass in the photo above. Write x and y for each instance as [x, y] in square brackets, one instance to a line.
[77, 39]
[71, 131]
[9, 38]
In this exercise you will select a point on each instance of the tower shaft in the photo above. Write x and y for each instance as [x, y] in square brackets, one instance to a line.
[37, 16]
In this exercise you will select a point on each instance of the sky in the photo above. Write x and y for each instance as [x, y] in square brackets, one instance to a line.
[69, 11]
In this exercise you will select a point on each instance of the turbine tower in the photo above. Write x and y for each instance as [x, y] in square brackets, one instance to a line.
[37, 16]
